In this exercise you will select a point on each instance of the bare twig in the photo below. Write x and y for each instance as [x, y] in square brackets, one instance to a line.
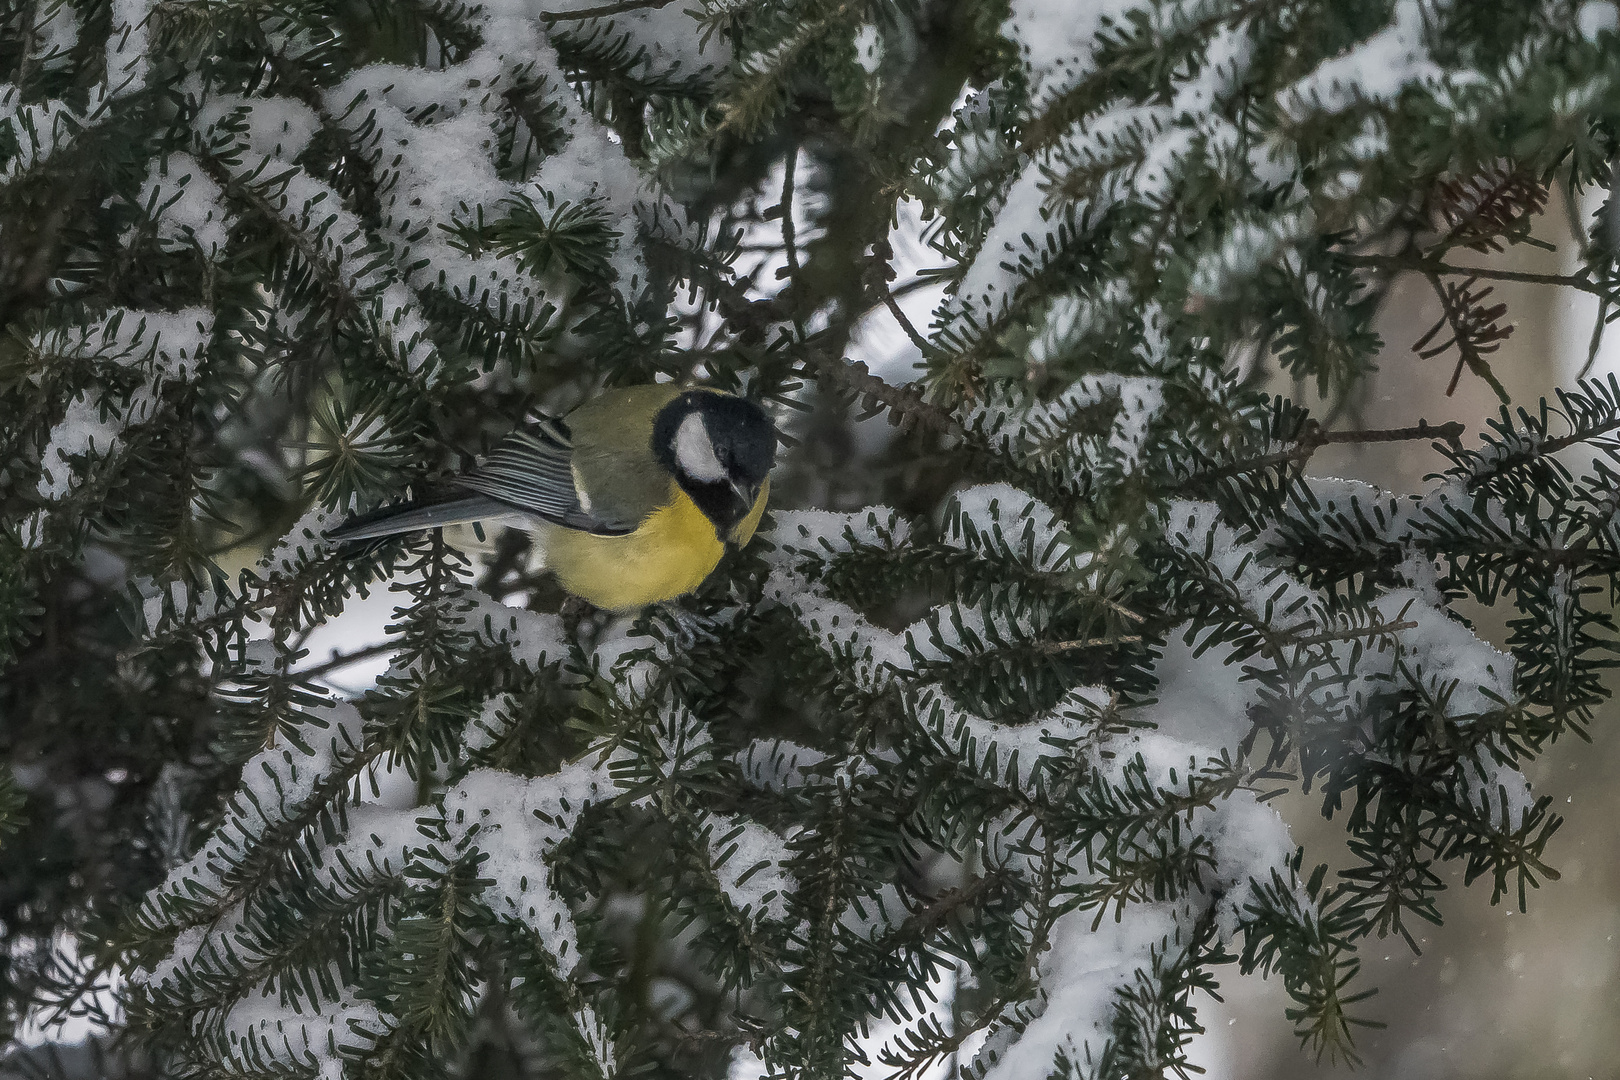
[1451, 432]
[1088, 643]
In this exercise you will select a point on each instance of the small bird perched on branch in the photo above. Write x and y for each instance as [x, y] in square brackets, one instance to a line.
[634, 496]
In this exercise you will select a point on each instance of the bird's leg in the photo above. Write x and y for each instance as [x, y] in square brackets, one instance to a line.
[687, 625]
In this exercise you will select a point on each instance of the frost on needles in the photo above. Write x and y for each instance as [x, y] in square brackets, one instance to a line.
[978, 741]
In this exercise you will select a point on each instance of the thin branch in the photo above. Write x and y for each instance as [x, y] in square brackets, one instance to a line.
[1421, 265]
[1552, 446]
[602, 11]
[1088, 643]
[921, 923]
[1326, 636]
[1451, 432]
[342, 660]
[903, 402]
[905, 324]
[789, 237]
[1314, 438]
[1596, 340]
[906, 288]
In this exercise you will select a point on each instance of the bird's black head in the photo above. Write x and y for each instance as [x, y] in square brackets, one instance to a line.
[720, 449]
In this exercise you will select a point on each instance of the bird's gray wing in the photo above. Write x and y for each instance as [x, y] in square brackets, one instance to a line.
[532, 471]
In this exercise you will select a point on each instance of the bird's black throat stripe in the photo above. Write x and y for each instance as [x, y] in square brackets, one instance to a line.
[719, 503]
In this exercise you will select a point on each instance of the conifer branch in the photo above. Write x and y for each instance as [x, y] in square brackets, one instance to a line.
[1314, 437]
[903, 402]
[964, 680]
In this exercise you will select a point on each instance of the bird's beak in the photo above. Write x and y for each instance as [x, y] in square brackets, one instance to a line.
[746, 494]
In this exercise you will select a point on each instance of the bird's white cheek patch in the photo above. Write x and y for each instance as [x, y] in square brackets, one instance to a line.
[694, 451]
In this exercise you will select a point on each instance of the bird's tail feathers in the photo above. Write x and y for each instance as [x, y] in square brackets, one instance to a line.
[409, 517]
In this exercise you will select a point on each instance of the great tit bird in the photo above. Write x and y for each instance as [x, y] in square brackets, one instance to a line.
[634, 495]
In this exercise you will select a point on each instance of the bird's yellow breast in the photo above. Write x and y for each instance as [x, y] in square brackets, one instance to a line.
[668, 555]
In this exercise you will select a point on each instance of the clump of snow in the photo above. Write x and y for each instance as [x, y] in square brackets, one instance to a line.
[665, 42]
[56, 32]
[1057, 37]
[433, 132]
[1078, 976]
[37, 128]
[978, 147]
[303, 542]
[1376, 70]
[823, 533]
[951, 630]
[1271, 595]
[1250, 840]
[869, 48]
[167, 346]
[31, 531]
[1001, 522]
[396, 321]
[1596, 17]
[261, 1029]
[748, 861]
[777, 764]
[170, 602]
[1202, 703]
[1498, 790]
[1023, 231]
[514, 822]
[1069, 322]
[804, 542]
[186, 205]
[1248, 246]
[126, 46]
[87, 427]
[1227, 54]
[632, 659]
[257, 129]
[1135, 151]
[494, 719]
[536, 639]
[1447, 660]
[380, 842]
[1040, 430]
[1011, 753]
[875, 654]
[276, 784]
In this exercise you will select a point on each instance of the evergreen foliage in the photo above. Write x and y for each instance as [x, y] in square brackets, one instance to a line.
[1000, 706]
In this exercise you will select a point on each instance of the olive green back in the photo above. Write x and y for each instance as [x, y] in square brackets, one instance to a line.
[613, 457]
